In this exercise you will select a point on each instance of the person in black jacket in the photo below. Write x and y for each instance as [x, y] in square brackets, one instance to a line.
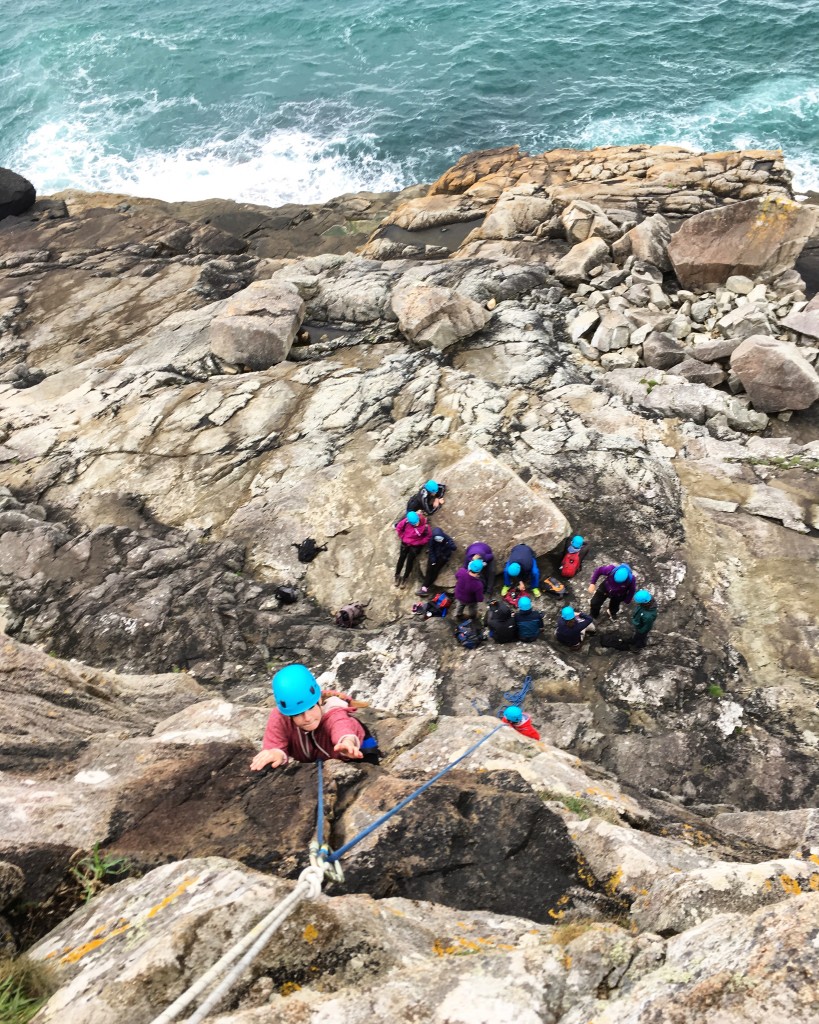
[440, 547]
[429, 499]
[500, 623]
[572, 627]
[528, 621]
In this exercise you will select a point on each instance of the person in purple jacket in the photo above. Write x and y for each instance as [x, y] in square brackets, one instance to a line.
[468, 589]
[616, 583]
[483, 552]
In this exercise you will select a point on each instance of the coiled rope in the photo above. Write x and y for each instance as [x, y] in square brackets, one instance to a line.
[322, 863]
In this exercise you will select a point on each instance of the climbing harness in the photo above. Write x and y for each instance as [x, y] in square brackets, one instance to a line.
[323, 863]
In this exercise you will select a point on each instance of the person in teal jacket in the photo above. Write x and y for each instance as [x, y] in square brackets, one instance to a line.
[643, 618]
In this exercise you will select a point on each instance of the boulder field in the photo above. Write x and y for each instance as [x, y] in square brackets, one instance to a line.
[619, 343]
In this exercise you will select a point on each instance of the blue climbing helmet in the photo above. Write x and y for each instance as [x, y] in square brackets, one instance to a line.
[642, 597]
[475, 565]
[412, 518]
[513, 569]
[295, 689]
[622, 574]
[431, 486]
[513, 714]
[567, 613]
[576, 542]
[524, 604]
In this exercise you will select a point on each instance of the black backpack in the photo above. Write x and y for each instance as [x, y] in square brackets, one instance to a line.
[286, 595]
[308, 549]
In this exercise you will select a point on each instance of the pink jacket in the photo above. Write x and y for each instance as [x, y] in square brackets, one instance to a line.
[282, 734]
[415, 536]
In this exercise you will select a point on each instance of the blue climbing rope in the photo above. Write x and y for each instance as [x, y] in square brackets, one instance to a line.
[407, 799]
[517, 697]
[320, 811]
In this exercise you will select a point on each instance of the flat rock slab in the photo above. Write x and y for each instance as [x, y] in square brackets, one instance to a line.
[758, 239]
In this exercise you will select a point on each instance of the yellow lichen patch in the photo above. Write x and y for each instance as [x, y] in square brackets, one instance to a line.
[310, 933]
[767, 885]
[463, 947]
[611, 885]
[557, 915]
[790, 885]
[813, 882]
[814, 858]
[567, 961]
[72, 956]
[289, 987]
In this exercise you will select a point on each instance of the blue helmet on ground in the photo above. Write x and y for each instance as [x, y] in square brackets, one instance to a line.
[295, 689]
[413, 519]
[524, 604]
[622, 574]
[475, 565]
[431, 486]
[567, 613]
[577, 541]
[513, 569]
[642, 597]
[513, 714]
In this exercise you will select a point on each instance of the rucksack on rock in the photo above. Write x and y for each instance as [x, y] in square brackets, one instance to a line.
[439, 605]
[570, 566]
[308, 549]
[350, 615]
[468, 635]
[514, 596]
[286, 595]
[552, 586]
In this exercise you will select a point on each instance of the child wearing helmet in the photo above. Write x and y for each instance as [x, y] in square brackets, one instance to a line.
[468, 589]
[520, 722]
[484, 552]
[521, 571]
[429, 499]
[528, 621]
[642, 619]
[414, 533]
[572, 627]
[617, 585]
[305, 726]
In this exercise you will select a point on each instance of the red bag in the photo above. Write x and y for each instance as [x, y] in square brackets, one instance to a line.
[570, 565]
[514, 596]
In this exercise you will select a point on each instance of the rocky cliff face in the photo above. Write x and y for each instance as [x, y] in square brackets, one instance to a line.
[615, 343]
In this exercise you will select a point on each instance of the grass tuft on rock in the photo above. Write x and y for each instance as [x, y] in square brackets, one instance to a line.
[25, 985]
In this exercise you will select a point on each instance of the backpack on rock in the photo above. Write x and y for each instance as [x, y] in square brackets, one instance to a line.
[350, 615]
[468, 635]
[308, 549]
[570, 566]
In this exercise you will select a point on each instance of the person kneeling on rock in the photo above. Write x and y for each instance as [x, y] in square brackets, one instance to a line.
[528, 621]
[305, 726]
[572, 627]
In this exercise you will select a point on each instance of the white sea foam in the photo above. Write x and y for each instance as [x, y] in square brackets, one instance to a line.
[284, 166]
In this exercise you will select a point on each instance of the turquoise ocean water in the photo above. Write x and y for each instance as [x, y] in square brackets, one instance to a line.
[300, 100]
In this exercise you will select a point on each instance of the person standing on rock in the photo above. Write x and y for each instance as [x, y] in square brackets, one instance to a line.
[482, 551]
[441, 546]
[468, 590]
[414, 533]
[521, 571]
[642, 620]
[528, 621]
[572, 628]
[617, 585]
[429, 499]
[306, 727]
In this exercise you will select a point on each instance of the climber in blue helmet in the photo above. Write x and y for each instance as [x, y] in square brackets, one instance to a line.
[642, 619]
[572, 627]
[615, 583]
[521, 571]
[428, 499]
[574, 550]
[528, 621]
[520, 722]
[306, 725]
[468, 590]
